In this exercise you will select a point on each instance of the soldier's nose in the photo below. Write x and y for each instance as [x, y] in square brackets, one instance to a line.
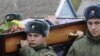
[93, 27]
[32, 38]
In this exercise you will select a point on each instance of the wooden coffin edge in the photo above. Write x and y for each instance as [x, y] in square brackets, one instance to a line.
[66, 24]
[82, 22]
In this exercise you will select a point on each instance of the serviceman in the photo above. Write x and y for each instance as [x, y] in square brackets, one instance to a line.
[89, 44]
[13, 16]
[11, 21]
[35, 44]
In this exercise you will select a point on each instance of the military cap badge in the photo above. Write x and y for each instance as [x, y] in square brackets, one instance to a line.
[92, 12]
[33, 26]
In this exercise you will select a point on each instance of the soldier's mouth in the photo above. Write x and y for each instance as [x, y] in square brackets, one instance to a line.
[94, 32]
[32, 43]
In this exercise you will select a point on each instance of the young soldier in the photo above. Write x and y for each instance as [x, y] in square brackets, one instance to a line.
[89, 45]
[35, 45]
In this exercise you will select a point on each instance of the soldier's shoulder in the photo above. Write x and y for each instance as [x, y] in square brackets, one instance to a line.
[81, 38]
[48, 48]
[48, 51]
[80, 41]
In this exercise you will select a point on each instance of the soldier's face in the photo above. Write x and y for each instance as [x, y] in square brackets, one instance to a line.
[35, 39]
[94, 27]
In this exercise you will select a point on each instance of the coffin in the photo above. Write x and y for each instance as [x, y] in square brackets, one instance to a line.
[59, 34]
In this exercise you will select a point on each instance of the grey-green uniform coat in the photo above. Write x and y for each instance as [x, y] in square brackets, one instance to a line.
[86, 46]
[42, 50]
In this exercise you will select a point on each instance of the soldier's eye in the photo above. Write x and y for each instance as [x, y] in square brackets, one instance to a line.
[97, 22]
[89, 23]
[30, 35]
[35, 35]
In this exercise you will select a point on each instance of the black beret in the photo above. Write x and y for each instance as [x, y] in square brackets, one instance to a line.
[38, 26]
[92, 12]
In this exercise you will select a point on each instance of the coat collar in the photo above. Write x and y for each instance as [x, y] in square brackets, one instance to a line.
[42, 46]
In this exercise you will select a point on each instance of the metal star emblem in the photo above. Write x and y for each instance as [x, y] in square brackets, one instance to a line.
[33, 26]
[8, 17]
[93, 12]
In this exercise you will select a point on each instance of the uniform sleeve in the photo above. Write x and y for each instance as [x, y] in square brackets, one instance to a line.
[28, 51]
[71, 52]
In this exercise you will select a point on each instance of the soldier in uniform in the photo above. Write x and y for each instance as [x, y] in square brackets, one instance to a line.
[89, 44]
[11, 23]
[35, 44]
[10, 17]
